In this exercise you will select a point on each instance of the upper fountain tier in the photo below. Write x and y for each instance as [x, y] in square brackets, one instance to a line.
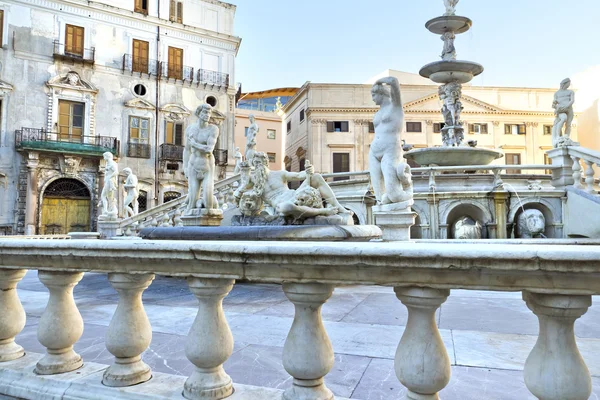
[449, 23]
[447, 71]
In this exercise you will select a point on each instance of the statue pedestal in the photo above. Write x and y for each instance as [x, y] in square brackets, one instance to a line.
[107, 227]
[395, 220]
[203, 217]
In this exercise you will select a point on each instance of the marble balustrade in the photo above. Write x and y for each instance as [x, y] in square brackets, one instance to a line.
[556, 280]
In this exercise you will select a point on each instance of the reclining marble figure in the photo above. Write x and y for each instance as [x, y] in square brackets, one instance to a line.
[270, 188]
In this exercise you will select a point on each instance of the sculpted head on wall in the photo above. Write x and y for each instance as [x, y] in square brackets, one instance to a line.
[531, 224]
[466, 228]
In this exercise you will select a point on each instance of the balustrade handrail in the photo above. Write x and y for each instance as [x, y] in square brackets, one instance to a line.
[548, 268]
[585, 153]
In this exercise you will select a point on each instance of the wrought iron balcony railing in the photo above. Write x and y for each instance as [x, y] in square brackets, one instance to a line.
[138, 150]
[176, 72]
[170, 152]
[41, 139]
[63, 52]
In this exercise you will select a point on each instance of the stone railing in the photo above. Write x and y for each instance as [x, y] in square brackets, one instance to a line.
[169, 213]
[556, 280]
[583, 176]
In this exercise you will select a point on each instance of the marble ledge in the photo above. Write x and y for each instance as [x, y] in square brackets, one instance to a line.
[17, 380]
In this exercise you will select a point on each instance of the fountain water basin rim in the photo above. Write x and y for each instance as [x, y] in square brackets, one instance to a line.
[452, 156]
[451, 71]
[449, 23]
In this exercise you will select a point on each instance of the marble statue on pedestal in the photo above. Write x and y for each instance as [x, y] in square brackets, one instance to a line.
[449, 51]
[450, 94]
[270, 188]
[563, 108]
[450, 7]
[237, 155]
[251, 138]
[130, 205]
[199, 161]
[531, 224]
[466, 228]
[390, 174]
[109, 191]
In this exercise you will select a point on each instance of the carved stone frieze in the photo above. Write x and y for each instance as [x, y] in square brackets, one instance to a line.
[69, 165]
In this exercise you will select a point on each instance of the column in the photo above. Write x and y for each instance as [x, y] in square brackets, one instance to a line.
[555, 369]
[31, 201]
[129, 332]
[307, 353]
[500, 202]
[210, 342]
[422, 363]
[61, 325]
[12, 317]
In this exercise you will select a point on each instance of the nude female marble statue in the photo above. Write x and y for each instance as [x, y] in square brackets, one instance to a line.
[199, 161]
[450, 7]
[109, 191]
[563, 108]
[130, 205]
[390, 175]
[238, 160]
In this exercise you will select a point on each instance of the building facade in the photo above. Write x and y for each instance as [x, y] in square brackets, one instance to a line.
[331, 124]
[80, 78]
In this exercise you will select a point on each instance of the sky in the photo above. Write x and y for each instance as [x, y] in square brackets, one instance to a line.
[520, 43]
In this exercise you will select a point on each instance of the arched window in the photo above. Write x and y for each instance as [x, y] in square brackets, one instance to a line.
[143, 201]
[67, 188]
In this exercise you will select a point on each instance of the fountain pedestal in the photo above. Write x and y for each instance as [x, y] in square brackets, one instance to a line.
[395, 220]
[203, 217]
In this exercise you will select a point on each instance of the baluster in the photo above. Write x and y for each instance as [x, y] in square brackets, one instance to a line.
[307, 353]
[61, 325]
[220, 198]
[136, 228]
[589, 176]
[210, 342]
[154, 221]
[128, 231]
[177, 218]
[129, 332]
[576, 173]
[555, 369]
[422, 363]
[166, 221]
[12, 317]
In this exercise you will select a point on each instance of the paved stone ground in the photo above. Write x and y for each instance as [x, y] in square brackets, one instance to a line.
[488, 335]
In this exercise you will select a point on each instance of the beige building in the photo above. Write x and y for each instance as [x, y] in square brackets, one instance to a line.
[269, 138]
[331, 124]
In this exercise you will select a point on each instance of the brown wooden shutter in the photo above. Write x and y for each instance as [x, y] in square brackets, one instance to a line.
[140, 56]
[1, 25]
[371, 127]
[344, 127]
[169, 132]
[179, 134]
[507, 130]
[180, 12]
[483, 128]
[69, 34]
[471, 127]
[330, 126]
[172, 11]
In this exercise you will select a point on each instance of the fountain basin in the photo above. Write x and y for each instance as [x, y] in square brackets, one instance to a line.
[451, 71]
[452, 156]
[449, 23]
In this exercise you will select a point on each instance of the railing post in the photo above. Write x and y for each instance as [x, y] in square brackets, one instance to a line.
[589, 176]
[576, 173]
[210, 342]
[12, 316]
[307, 353]
[129, 332]
[61, 325]
[422, 363]
[555, 369]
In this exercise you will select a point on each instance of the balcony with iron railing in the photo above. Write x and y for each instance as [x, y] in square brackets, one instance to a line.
[70, 53]
[138, 150]
[175, 72]
[170, 152]
[43, 140]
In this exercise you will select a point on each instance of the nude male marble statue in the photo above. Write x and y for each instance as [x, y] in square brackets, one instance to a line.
[130, 205]
[563, 108]
[450, 7]
[109, 190]
[251, 138]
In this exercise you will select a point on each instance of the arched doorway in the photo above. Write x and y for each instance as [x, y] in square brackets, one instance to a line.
[65, 207]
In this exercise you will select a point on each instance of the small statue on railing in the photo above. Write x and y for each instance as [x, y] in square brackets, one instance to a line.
[301, 206]
[199, 169]
[563, 108]
[130, 205]
[237, 155]
[531, 224]
[109, 191]
[251, 138]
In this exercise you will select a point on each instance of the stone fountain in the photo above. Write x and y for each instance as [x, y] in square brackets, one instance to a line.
[451, 74]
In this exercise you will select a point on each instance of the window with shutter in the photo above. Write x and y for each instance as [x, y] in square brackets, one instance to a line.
[438, 126]
[515, 129]
[302, 163]
[173, 11]
[547, 129]
[338, 126]
[70, 120]
[330, 126]
[301, 115]
[179, 134]
[140, 56]
[74, 40]
[141, 6]
[513, 159]
[371, 127]
[341, 163]
[180, 12]
[289, 126]
[174, 133]
[413, 127]
[175, 63]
